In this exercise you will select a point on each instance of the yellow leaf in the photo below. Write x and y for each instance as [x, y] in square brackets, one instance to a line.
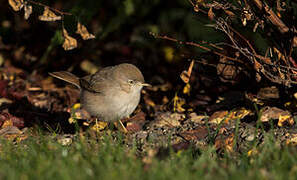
[187, 89]
[100, 125]
[252, 152]
[71, 120]
[69, 42]
[16, 4]
[7, 123]
[169, 53]
[82, 30]
[178, 103]
[76, 106]
[49, 15]
[285, 118]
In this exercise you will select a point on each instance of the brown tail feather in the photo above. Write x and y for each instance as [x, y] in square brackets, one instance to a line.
[66, 76]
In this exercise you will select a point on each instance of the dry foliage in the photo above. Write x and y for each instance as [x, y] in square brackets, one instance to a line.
[69, 42]
[82, 30]
[279, 65]
[50, 14]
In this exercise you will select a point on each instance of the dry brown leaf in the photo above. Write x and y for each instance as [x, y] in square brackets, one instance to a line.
[210, 14]
[7, 123]
[239, 113]
[12, 133]
[268, 93]
[227, 71]
[218, 117]
[82, 30]
[225, 143]
[168, 119]
[229, 143]
[198, 118]
[16, 4]
[28, 11]
[292, 140]
[185, 75]
[49, 15]
[196, 134]
[283, 116]
[69, 42]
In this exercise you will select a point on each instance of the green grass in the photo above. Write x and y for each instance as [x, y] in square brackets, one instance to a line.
[44, 158]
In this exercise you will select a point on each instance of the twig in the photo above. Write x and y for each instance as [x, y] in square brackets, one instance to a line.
[193, 44]
[53, 9]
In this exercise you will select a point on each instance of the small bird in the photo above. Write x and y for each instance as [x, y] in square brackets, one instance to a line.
[110, 94]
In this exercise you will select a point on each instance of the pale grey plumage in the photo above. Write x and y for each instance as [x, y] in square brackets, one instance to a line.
[110, 94]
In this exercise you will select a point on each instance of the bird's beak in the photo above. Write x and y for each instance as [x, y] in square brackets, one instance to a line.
[145, 84]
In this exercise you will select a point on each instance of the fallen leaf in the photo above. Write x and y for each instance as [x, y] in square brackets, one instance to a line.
[178, 103]
[49, 15]
[12, 133]
[225, 143]
[292, 140]
[285, 118]
[7, 119]
[16, 4]
[272, 113]
[69, 42]
[268, 93]
[5, 101]
[135, 123]
[197, 118]
[133, 127]
[218, 117]
[99, 126]
[195, 135]
[227, 70]
[82, 30]
[78, 113]
[9, 130]
[252, 152]
[185, 75]
[239, 113]
[65, 140]
[168, 119]
[187, 89]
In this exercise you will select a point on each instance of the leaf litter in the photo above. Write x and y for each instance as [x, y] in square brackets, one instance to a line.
[152, 127]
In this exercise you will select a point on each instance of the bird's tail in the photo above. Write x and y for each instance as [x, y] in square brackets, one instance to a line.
[66, 76]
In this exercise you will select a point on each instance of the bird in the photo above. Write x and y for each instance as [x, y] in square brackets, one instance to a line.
[111, 94]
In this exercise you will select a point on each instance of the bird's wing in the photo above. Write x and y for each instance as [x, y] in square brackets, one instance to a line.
[98, 82]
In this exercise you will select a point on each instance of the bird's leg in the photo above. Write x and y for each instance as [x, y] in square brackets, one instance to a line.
[99, 125]
[121, 126]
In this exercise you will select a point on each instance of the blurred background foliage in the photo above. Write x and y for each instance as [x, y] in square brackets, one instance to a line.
[122, 29]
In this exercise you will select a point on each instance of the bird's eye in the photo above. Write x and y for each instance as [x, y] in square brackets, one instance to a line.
[130, 81]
